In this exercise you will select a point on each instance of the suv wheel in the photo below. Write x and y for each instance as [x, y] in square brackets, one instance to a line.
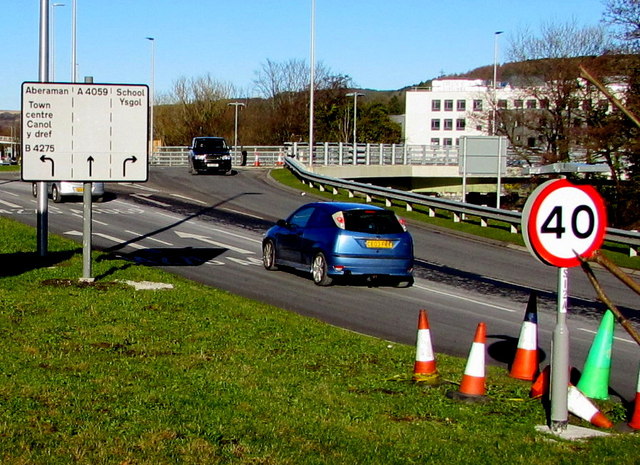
[319, 270]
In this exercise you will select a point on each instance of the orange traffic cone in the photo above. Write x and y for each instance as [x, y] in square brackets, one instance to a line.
[635, 418]
[580, 406]
[473, 381]
[256, 159]
[280, 161]
[540, 387]
[425, 367]
[525, 363]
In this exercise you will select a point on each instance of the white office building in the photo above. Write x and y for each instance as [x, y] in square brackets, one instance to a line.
[451, 108]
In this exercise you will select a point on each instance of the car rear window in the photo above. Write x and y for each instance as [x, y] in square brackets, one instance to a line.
[203, 145]
[372, 221]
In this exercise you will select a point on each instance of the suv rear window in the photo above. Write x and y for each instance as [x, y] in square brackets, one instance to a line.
[372, 221]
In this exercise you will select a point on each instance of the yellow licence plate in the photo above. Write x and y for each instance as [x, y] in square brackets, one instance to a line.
[379, 244]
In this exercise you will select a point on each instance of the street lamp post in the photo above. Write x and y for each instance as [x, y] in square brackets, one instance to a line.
[151, 91]
[495, 77]
[355, 96]
[53, 39]
[235, 131]
[312, 78]
[74, 28]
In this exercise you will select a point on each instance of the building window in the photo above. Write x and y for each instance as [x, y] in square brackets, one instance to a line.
[544, 103]
[435, 141]
[460, 124]
[448, 142]
[477, 105]
[435, 105]
[461, 105]
[448, 105]
[435, 124]
[448, 125]
[518, 103]
[532, 104]
[502, 104]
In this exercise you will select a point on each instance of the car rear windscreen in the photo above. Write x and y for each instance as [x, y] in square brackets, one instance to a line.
[372, 222]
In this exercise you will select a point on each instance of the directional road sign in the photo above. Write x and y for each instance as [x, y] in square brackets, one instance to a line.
[84, 132]
[561, 219]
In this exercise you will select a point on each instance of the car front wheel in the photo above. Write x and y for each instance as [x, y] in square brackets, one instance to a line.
[269, 255]
[319, 270]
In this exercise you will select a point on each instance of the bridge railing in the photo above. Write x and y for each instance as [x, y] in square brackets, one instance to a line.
[458, 210]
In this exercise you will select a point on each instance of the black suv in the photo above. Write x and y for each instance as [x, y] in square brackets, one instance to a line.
[209, 154]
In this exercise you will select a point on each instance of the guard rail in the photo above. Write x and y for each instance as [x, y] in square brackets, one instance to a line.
[630, 239]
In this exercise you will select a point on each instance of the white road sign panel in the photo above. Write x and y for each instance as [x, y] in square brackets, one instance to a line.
[84, 132]
[561, 219]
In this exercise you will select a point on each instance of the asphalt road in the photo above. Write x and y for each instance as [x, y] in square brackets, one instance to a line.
[208, 228]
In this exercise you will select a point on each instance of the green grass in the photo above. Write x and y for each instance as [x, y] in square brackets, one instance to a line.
[497, 231]
[103, 374]
[9, 168]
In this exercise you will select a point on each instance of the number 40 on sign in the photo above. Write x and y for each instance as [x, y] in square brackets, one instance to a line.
[561, 220]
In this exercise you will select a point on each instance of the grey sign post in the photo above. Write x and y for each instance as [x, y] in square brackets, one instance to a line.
[84, 132]
[482, 156]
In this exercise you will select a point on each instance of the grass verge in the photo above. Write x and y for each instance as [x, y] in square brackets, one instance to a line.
[498, 231]
[99, 373]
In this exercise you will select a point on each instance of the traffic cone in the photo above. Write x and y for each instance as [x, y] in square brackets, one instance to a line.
[280, 161]
[580, 406]
[540, 387]
[424, 369]
[635, 418]
[594, 382]
[525, 363]
[256, 159]
[473, 381]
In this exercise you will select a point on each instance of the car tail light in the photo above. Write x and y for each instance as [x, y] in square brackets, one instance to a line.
[338, 219]
[402, 222]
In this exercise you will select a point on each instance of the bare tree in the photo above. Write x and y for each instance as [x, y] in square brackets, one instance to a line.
[625, 15]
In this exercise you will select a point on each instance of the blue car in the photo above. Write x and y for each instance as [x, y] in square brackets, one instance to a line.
[332, 239]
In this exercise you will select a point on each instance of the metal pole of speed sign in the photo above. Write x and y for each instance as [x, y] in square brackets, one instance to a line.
[560, 223]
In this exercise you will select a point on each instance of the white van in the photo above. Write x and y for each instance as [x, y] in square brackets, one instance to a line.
[60, 189]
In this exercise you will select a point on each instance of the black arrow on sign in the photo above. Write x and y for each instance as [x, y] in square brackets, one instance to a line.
[133, 159]
[90, 160]
[44, 159]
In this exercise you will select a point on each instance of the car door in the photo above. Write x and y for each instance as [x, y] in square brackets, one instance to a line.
[290, 235]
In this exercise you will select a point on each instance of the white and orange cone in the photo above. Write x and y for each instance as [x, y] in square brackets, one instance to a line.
[425, 369]
[256, 158]
[580, 406]
[280, 160]
[525, 364]
[540, 387]
[473, 385]
[635, 418]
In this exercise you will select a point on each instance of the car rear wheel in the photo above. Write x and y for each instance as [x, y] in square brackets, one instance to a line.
[34, 189]
[269, 255]
[55, 194]
[319, 270]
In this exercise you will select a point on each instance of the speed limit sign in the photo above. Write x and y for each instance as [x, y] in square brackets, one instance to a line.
[561, 220]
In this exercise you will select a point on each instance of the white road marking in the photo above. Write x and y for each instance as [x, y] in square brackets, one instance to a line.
[208, 240]
[466, 299]
[138, 186]
[9, 204]
[108, 237]
[146, 197]
[242, 213]
[150, 238]
[189, 199]
[615, 337]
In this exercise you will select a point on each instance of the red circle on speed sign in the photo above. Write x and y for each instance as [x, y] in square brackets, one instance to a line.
[561, 220]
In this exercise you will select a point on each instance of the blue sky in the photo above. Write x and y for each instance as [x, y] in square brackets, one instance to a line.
[380, 44]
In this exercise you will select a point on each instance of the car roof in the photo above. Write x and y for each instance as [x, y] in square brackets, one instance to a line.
[342, 206]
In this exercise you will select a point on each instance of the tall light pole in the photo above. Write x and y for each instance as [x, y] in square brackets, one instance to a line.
[355, 96]
[53, 39]
[151, 91]
[312, 78]
[235, 132]
[74, 29]
[495, 77]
